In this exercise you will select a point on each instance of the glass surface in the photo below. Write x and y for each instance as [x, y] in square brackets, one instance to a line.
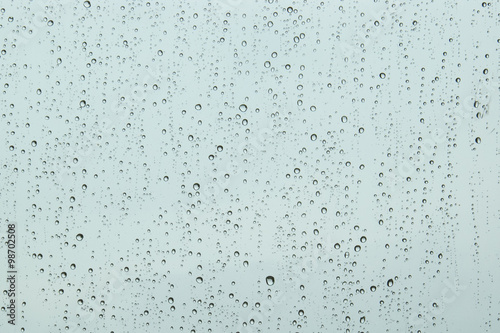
[249, 166]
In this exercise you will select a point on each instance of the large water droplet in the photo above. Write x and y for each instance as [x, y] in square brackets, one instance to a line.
[270, 280]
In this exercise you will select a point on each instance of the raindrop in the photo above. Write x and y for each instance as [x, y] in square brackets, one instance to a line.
[270, 280]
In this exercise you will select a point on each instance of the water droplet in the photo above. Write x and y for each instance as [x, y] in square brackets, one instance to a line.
[270, 280]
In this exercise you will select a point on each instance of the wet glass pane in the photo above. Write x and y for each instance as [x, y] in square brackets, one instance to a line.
[249, 166]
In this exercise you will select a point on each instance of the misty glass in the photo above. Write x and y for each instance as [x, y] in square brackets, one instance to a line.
[250, 166]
